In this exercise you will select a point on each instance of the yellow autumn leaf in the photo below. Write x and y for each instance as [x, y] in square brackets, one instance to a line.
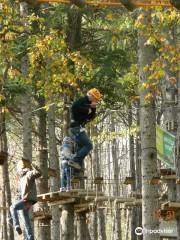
[4, 110]
[2, 97]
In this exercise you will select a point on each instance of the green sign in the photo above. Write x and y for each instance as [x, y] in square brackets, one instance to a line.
[165, 144]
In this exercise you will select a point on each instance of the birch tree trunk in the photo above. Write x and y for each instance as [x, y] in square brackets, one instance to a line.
[43, 225]
[27, 126]
[178, 153]
[138, 177]
[8, 230]
[73, 40]
[132, 173]
[117, 213]
[54, 164]
[148, 139]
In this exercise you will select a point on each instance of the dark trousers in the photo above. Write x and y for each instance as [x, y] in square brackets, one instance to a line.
[83, 144]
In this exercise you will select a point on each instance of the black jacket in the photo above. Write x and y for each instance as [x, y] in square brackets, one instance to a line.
[80, 112]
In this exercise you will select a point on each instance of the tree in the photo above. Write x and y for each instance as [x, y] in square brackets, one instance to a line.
[148, 136]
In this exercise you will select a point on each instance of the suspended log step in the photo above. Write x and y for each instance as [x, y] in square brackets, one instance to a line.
[175, 206]
[167, 171]
[98, 180]
[129, 180]
[154, 180]
[39, 215]
[52, 172]
[3, 157]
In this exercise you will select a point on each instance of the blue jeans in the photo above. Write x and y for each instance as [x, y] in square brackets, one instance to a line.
[24, 206]
[83, 144]
[65, 174]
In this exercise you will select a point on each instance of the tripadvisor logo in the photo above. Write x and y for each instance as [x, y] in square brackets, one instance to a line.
[140, 231]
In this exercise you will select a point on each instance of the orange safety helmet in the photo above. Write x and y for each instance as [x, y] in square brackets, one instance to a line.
[95, 93]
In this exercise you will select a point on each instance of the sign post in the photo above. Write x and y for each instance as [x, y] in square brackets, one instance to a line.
[165, 144]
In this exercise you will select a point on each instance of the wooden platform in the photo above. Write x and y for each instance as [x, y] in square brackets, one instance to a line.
[167, 171]
[39, 215]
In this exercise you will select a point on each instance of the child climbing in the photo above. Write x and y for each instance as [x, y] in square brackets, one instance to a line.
[66, 155]
[27, 196]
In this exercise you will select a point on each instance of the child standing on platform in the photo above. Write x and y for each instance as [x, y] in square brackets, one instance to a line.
[66, 155]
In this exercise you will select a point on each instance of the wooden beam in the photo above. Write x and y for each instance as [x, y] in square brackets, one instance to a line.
[168, 177]
[167, 171]
[37, 215]
[137, 202]
[171, 206]
[62, 202]
[113, 3]
[82, 210]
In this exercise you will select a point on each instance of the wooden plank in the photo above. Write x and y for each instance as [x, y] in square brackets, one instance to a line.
[170, 206]
[37, 215]
[137, 202]
[167, 171]
[62, 202]
[81, 210]
[168, 177]
[113, 3]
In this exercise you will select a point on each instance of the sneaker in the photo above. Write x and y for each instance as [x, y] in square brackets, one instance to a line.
[63, 189]
[18, 229]
[74, 164]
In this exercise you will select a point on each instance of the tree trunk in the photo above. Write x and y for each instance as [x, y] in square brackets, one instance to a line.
[43, 225]
[54, 164]
[148, 140]
[117, 213]
[132, 173]
[67, 222]
[27, 126]
[5, 178]
[82, 230]
[178, 154]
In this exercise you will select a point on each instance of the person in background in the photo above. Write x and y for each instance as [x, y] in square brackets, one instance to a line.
[83, 110]
[27, 196]
[66, 155]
